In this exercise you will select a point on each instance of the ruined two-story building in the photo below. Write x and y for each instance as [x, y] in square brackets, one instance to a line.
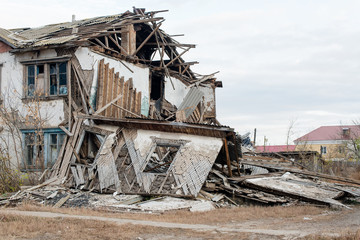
[112, 103]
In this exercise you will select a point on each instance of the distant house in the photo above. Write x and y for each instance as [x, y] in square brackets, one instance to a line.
[332, 142]
[275, 148]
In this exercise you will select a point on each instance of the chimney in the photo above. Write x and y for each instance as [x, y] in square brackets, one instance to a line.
[346, 132]
[73, 18]
[128, 39]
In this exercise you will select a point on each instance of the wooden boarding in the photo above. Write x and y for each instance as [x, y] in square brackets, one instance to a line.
[111, 86]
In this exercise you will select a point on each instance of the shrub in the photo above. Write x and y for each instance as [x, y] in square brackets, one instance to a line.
[10, 180]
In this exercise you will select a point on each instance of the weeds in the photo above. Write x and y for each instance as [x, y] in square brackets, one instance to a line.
[10, 179]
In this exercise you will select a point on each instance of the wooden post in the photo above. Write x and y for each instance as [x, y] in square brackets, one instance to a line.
[227, 157]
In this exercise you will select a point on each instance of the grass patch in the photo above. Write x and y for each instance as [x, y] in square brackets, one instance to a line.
[24, 227]
[217, 216]
[343, 236]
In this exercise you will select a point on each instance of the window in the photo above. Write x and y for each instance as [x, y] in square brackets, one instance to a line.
[34, 145]
[55, 142]
[41, 149]
[46, 78]
[323, 150]
[341, 149]
[58, 81]
[162, 154]
[157, 87]
[161, 158]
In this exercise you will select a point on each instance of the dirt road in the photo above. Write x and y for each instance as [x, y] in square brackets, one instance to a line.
[329, 223]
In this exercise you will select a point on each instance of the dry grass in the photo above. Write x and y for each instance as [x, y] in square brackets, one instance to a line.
[217, 216]
[21, 227]
[343, 236]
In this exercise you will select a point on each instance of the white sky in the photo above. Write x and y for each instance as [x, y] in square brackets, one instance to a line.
[280, 61]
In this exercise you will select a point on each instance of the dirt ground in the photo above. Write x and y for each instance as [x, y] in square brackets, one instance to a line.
[321, 223]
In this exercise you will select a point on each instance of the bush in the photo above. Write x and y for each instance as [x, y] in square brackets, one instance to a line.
[10, 180]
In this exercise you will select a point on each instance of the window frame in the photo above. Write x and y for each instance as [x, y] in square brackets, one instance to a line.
[46, 148]
[323, 150]
[163, 142]
[45, 93]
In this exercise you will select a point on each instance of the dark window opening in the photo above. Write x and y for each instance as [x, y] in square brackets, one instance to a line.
[34, 145]
[161, 158]
[323, 150]
[90, 147]
[157, 87]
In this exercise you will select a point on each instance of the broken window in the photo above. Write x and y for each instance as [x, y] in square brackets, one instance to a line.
[157, 86]
[161, 158]
[55, 142]
[41, 149]
[34, 146]
[46, 79]
[58, 80]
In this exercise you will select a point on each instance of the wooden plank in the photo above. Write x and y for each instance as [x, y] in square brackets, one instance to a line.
[80, 174]
[115, 88]
[69, 93]
[131, 99]
[80, 74]
[133, 102]
[69, 148]
[85, 107]
[105, 86]
[138, 103]
[99, 100]
[125, 98]
[75, 175]
[66, 131]
[62, 201]
[120, 91]
[146, 40]
[107, 105]
[58, 162]
[127, 111]
[303, 172]
[227, 157]
[109, 96]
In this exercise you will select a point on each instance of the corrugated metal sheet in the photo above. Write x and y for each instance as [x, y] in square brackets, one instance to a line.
[48, 34]
[54, 41]
[191, 100]
[10, 37]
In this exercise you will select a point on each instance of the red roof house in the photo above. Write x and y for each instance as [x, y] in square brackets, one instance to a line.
[276, 148]
[328, 133]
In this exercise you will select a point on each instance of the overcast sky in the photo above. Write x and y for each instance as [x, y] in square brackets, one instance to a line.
[280, 61]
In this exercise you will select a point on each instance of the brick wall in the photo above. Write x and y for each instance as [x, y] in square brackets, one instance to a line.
[4, 47]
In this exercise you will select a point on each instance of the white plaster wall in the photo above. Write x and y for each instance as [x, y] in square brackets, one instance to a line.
[12, 94]
[207, 145]
[90, 60]
[209, 98]
[12, 88]
[177, 95]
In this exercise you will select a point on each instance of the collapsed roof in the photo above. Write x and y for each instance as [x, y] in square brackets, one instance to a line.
[110, 33]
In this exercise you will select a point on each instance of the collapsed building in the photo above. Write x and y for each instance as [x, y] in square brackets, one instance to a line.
[109, 103]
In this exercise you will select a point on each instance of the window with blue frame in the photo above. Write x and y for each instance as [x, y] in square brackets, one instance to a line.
[41, 149]
[48, 79]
